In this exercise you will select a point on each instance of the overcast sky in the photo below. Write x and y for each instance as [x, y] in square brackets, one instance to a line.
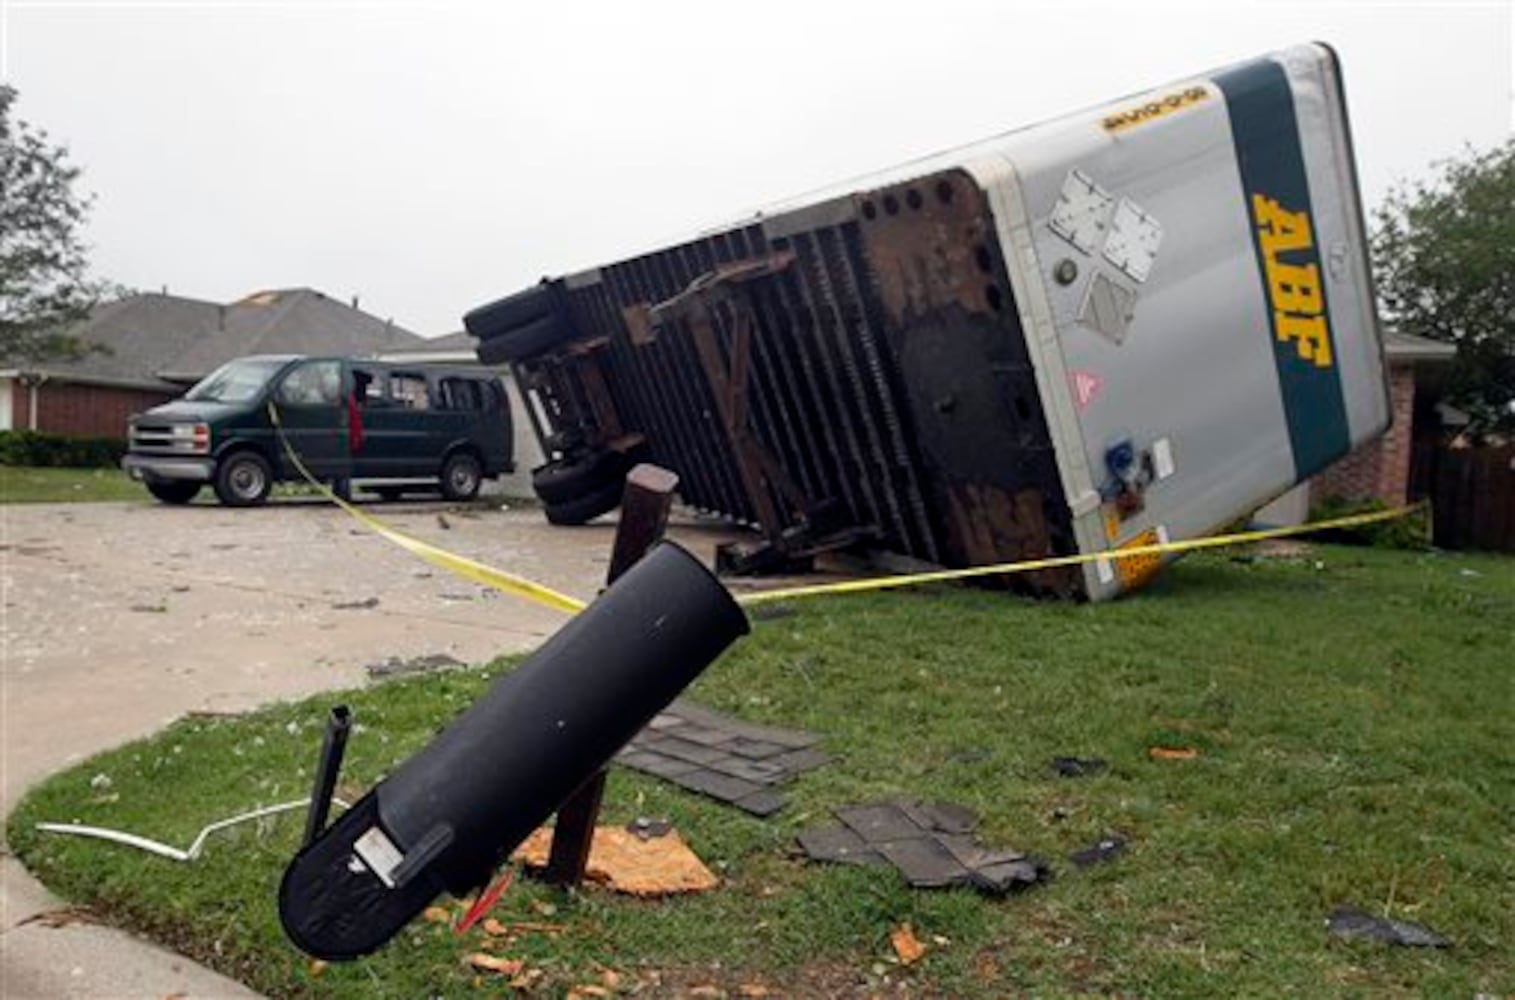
[431, 156]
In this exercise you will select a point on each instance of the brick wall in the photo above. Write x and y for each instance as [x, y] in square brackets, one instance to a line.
[92, 410]
[1379, 469]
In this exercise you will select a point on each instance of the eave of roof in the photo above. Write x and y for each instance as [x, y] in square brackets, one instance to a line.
[1401, 346]
[81, 378]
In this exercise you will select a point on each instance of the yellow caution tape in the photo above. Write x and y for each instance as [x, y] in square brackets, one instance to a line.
[521, 587]
[467, 568]
[938, 576]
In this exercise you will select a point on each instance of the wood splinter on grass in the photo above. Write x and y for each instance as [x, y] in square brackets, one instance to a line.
[625, 863]
[491, 963]
[906, 945]
[1172, 753]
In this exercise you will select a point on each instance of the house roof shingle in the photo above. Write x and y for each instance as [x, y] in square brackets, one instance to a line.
[164, 341]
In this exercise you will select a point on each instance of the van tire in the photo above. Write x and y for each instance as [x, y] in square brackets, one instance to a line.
[567, 479]
[537, 337]
[243, 479]
[176, 492]
[586, 508]
[461, 476]
[510, 313]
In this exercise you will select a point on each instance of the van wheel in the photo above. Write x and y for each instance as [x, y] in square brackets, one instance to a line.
[567, 479]
[243, 479]
[586, 508]
[461, 476]
[174, 492]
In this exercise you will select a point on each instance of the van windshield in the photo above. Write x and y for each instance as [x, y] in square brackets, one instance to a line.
[235, 381]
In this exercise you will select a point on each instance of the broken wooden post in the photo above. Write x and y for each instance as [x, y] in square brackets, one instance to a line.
[644, 517]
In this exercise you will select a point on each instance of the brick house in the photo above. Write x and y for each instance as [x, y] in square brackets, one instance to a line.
[152, 347]
[1380, 469]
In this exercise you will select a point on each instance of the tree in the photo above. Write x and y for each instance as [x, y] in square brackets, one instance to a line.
[1445, 255]
[44, 287]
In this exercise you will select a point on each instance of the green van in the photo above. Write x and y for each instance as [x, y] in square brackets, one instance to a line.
[399, 427]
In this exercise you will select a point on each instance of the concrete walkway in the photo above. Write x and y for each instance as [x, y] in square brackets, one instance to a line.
[119, 618]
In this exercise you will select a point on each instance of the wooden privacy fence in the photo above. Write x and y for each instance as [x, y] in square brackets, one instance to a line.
[1472, 492]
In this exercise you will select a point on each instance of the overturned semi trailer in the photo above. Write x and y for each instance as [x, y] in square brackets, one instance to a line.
[1132, 324]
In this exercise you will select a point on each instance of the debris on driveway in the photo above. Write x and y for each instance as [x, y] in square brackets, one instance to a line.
[930, 844]
[721, 756]
[395, 666]
[363, 605]
[62, 916]
[1350, 923]
[630, 863]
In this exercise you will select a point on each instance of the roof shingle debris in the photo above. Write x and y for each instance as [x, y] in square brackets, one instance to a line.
[736, 762]
[931, 844]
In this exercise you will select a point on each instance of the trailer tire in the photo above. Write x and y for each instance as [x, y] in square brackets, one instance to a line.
[586, 508]
[537, 337]
[567, 479]
[510, 313]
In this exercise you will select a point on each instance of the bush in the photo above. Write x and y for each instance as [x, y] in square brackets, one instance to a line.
[40, 449]
[1411, 532]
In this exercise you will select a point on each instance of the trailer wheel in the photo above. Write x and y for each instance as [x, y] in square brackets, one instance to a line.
[510, 313]
[586, 508]
[537, 337]
[176, 493]
[567, 479]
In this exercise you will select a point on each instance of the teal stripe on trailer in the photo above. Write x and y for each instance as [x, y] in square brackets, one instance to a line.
[1266, 133]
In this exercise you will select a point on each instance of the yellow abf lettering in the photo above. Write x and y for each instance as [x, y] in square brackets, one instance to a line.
[1294, 289]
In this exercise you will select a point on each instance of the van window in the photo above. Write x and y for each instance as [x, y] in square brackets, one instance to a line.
[409, 390]
[462, 393]
[312, 383]
[367, 387]
[235, 382]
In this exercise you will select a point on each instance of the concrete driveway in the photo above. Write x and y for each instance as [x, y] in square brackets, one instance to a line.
[119, 618]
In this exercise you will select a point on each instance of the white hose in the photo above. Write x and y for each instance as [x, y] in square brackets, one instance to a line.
[173, 853]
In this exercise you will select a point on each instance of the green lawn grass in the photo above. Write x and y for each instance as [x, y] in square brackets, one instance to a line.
[21, 484]
[26, 484]
[1353, 709]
